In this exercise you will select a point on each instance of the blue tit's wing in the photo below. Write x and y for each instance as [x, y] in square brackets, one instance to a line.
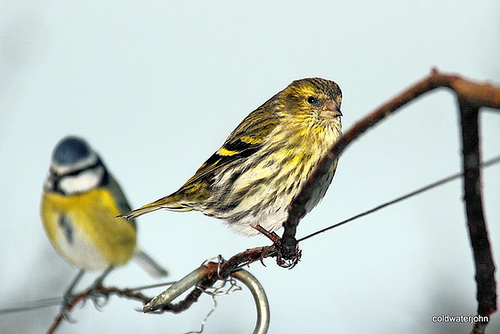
[119, 196]
[144, 260]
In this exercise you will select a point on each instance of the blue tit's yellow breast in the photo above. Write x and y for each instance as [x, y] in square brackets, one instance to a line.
[84, 229]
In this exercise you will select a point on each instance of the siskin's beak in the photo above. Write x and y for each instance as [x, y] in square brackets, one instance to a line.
[330, 111]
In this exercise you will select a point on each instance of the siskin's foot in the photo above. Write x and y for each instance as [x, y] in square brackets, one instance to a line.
[289, 253]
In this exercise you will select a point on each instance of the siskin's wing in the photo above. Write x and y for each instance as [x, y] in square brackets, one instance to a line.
[248, 138]
[245, 140]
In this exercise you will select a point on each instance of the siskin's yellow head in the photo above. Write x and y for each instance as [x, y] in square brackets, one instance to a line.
[316, 97]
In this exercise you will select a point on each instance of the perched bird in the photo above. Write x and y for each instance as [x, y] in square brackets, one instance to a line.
[250, 181]
[80, 202]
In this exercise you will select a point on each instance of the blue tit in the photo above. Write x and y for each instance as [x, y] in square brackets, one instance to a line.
[80, 204]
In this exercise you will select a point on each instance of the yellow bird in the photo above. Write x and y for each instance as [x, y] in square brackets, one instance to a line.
[250, 181]
[80, 202]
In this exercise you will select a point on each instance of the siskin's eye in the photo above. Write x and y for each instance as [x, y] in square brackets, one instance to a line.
[312, 100]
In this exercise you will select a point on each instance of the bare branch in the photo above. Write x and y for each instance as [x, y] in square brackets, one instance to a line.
[485, 268]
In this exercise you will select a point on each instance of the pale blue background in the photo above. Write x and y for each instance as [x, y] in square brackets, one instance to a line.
[156, 87]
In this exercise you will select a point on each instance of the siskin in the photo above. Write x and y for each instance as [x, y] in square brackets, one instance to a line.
[251, 180]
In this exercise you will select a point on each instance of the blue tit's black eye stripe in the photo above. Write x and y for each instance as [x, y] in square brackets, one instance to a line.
[75, 172]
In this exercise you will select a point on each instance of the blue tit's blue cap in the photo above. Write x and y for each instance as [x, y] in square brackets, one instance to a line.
[71, 150]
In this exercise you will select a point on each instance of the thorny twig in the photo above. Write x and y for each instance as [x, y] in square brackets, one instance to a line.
[104, 292]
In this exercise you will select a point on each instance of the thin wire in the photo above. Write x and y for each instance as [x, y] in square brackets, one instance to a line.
[152, 286]
[33, 305]
[430, 186]
[41, 303]
[217, 291]
[204, 321]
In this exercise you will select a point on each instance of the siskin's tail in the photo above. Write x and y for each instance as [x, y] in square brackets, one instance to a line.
[168, 202]
[149, 265]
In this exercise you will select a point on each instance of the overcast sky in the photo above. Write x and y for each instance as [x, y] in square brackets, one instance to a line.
[155, 88]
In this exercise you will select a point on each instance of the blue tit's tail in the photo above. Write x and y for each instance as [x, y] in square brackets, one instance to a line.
[149, 265]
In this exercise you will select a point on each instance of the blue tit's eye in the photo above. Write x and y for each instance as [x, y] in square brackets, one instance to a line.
[312, 100]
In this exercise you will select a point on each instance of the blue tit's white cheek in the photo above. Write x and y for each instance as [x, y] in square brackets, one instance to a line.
[82, 182]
